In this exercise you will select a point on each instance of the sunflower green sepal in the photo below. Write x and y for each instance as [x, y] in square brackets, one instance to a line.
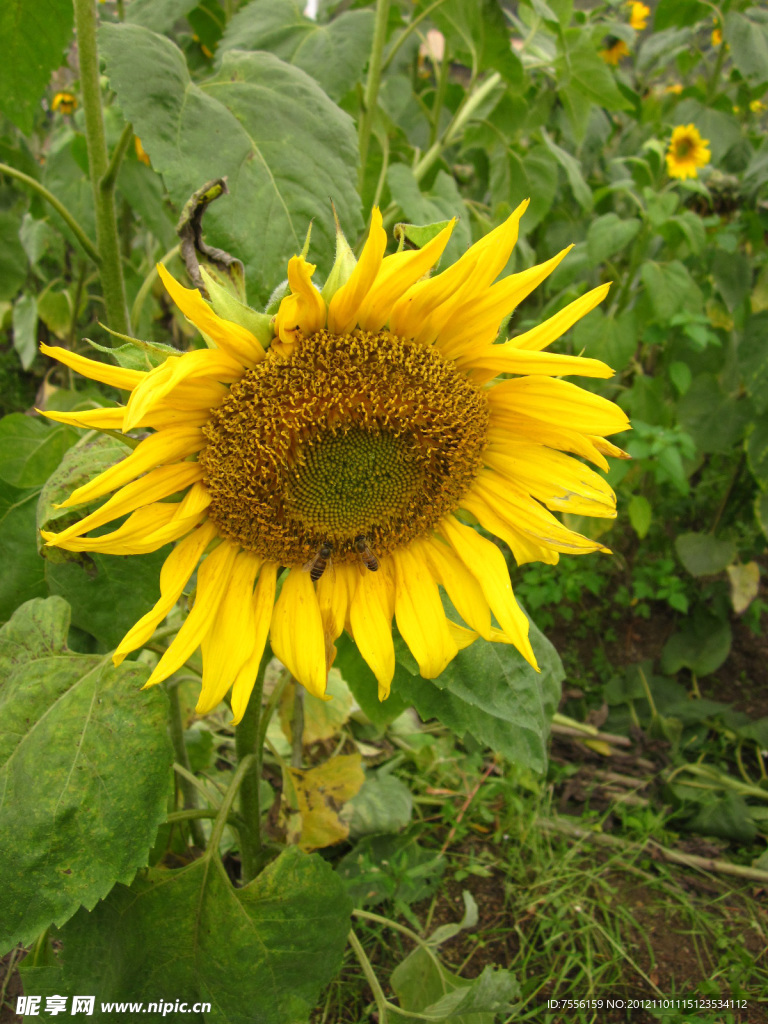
[418, 234]
[343, 265]
[228, 307]
[136, 354]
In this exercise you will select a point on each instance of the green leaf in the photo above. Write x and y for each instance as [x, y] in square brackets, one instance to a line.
[13, 259]
[704, 555]
[265, 124]
[334, 54]
[480, 32]
[441, 203]
[25, 328]
[679, 13]
[680, 375]
[490, 691]
[137, 354]
[714, 420]
[590, 75]
[753, 360]
[748, 40]
[31, 449]
[670, 288]
[390, 867]
[261, 953]
[424, 985]
[23, 575]
[727, 817]
[608, 235]
[143, 190]
[613, 340]
[581, 191]
[733, 276]
[757, 450]
[383, 804]
[158, 15]
[55, 310]
[702, 645]
[761, 511]
[640, 514]
[363, 685]
[84, 771]
[35, 37]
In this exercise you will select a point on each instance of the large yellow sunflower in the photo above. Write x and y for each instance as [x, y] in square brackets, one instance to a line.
[354, 451]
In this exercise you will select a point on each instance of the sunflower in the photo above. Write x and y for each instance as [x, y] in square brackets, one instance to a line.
[638, 17]
[615, 51]
[687, 151]
[64, 102]
[348, 455]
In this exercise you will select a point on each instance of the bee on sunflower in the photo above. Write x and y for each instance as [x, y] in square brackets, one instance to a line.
[329, 473]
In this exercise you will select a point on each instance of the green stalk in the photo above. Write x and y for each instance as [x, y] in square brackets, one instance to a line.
[372, 85]
[180, 749]
[59, 207]
[102, 173]
[247, 747]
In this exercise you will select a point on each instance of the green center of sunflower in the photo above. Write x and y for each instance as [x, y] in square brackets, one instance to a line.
[360, 434]
[683, 148]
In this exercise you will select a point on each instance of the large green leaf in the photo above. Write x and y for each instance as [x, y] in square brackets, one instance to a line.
[753, 360]
[159, 15]
[608, 235]
[490, 691]
[13, 259]
[702, 645]
[84, 772]
[363, 685]
[264, 124]
[670, 289]
[23, 575]
[35, 36]
[748, 40]
[702, 554]
[260, 955]
[716, 421]
[479, 33]
[442, 202]
[333, 54]
[31, 449]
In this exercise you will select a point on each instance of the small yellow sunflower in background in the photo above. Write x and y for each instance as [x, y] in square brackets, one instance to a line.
[615, 51]
[717, 34]
[64, 103]
[687, 152]
[354, 451]
[638, 18]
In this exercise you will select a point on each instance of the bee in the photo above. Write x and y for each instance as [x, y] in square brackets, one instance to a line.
[365, 554]
[317, 565]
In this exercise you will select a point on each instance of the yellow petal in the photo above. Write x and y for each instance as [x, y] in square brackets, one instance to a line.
[419, 612]
[159, 483]
[213, 580]
[558, 480]
[230, 337]
[398, 272]
[91, 419]
[123, 541]
[476, 322]
[506, 425]
[343, 307]
[463, 636]
[262, 604]
[428, 306]
[335, 590]
[544, 334]
[523, 547]
[297, 632]
[559, 402]
[462, 587]
[177, 569]
[169, 445]
[486, 563]
[164, 379]
[371, 620]
[507, 358]
[303, 311]
[115, 376]
[228, 646]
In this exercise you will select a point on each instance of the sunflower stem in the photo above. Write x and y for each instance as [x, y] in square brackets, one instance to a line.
[297, 726]
[102, 181]
[372, 84]
[187, 788]
[247, 746]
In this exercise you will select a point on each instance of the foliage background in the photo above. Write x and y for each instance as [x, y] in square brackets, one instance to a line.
[472, 108]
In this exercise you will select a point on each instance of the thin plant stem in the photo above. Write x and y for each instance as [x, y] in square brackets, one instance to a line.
[102, 175]
[184, 773]
[297, 726]
[110, 175]
[269, 708]
[372, 84]
[188, 790]
[370, 976]
[59, 207]
[245, 766]
[247, 747]
[408, 30]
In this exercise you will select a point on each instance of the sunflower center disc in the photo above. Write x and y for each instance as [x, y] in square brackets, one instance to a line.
[355, 434]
